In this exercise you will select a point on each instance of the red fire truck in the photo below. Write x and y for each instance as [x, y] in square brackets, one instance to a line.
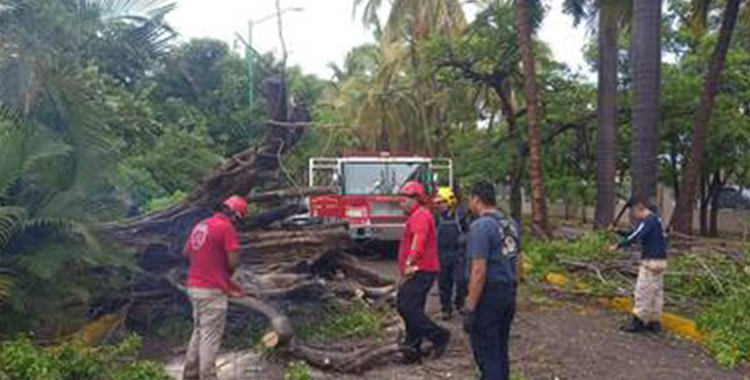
[368, 190]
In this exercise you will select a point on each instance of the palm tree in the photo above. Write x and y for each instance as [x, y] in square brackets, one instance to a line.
[417, 19]
[524, 26]
[610, 14]
[47, 75]
[409, 26]
[645, 57]
[683, 220]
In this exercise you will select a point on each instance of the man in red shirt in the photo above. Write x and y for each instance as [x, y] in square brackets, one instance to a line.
[213, 251]
[419, 267]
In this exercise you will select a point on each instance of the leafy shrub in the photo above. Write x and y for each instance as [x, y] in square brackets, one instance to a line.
[21, 359]
[298, 370]
[727, 326]
[355, 322]
[545, 256]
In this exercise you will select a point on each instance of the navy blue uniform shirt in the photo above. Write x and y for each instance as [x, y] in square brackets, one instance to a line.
[651, 236]
[486, 239]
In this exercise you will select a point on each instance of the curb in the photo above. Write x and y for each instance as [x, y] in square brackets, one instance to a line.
[680, 326]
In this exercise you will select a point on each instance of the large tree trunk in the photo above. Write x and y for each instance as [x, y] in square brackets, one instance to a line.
[160, 234]
[684, 211]
[540, 221]
[704, 202]
[713, 227]
[645, 51]
[606, 137]
[516, 155]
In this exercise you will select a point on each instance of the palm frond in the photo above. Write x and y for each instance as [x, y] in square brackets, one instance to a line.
[6, 284]
[12, 220]
[127, 9]
[578, 9]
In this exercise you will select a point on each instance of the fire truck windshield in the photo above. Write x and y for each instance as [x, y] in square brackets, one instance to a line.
[380, 178]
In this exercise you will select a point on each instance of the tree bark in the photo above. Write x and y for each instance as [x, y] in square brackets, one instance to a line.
[713, 228]
[540, 220]
[645, 51]
[606, 137]
[704, 201]
[516, 168]
[701, 121]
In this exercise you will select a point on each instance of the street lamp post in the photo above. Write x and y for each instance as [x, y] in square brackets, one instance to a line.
[251, 54]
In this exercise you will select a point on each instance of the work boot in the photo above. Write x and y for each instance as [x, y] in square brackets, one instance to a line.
[412, 352]
[654, 327]
[636, 325]
[441, 343]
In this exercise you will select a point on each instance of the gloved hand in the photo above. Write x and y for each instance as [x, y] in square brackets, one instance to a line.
[469, 321]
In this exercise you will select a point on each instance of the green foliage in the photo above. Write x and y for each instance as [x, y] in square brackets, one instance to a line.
[298, 370]
[21, 359]
[357, 321]
[728, 327]
[545, 256]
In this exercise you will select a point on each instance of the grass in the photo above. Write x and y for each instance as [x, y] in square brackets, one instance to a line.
[357, 321]
[710, 286]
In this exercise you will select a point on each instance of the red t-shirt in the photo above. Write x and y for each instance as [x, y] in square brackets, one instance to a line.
[420, 222]
[210, 241]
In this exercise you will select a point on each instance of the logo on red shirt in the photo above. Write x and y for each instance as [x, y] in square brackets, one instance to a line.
[198, 237]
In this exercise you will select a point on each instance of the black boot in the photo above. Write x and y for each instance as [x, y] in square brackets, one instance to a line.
[412, 352]
[654, 327]
[636, 325]
[441, 343]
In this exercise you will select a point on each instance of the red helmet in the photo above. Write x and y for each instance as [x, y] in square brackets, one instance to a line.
[237, 204]
[414, 189]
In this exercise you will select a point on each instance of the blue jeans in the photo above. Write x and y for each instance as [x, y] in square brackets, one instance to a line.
[490, 333]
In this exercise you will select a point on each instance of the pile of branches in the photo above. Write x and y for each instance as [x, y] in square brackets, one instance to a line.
[281, 263]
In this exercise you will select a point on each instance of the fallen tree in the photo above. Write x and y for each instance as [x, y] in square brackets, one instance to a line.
[280, 263]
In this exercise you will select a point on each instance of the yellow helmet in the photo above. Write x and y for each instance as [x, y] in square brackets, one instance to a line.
[446, 195]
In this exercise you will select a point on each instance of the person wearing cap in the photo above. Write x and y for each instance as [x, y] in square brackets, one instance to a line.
[213, 251]
[418, 267]
[451, 248]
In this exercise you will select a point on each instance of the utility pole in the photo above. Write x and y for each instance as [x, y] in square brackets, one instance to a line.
[251, 54]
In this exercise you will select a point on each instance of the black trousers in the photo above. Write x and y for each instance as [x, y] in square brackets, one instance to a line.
[410, 302]
[490, 333]
[452, 280]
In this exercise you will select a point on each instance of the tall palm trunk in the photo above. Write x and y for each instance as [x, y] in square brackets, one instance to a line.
[540, 222]
[645, 51]
[683, 221]
[516, 158]
[606, 136]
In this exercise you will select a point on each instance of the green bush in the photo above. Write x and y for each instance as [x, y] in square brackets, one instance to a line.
[21, 359]
[545, 256]
[727, 326]
[357, 321]
[298, 370]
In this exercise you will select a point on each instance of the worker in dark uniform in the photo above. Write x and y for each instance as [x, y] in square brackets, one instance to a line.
[465, 218]
[491, 304]
[649, 289]
[451, 246]
[418, 266]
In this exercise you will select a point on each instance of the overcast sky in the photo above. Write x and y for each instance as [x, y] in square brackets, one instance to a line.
[324, 30]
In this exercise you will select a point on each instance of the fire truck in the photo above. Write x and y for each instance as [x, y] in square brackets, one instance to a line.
[368, 190]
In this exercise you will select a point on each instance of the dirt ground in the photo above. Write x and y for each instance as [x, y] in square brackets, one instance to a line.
[554, 337]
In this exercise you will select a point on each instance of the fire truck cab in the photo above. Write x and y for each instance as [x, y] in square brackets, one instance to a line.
[368, 190]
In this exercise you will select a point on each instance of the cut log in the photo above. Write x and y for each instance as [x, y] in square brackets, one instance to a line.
[350, 362]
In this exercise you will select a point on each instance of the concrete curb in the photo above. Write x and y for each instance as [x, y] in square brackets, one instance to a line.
[680, 326]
